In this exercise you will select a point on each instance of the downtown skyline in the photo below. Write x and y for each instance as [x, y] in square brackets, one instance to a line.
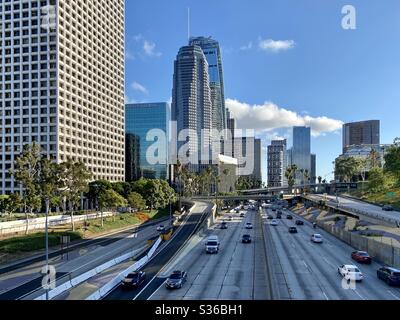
[291, 80]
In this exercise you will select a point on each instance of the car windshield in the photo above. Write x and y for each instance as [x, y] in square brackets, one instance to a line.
[246, 236]
[396, 274]
[355, 270]
[175, 276]
[132, 276]
[317, 236]
[363, 254]
[212, 243]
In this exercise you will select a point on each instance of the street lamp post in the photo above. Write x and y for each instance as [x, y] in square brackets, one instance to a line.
[47, 246]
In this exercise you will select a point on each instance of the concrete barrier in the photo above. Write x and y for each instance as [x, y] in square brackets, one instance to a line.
[383, 252]
[103, 291]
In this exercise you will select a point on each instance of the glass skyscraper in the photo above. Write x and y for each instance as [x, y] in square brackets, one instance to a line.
[139, 120]
[213, 55]
[301, 151]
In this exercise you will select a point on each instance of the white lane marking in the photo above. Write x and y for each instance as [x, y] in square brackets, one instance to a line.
[155, 291]
[397, 297]
[306, 265]
[325, 295]
[359, 294]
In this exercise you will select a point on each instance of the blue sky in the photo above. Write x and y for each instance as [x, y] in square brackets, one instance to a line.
[322, 75]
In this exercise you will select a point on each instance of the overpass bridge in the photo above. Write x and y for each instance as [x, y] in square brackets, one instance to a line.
[326, 187]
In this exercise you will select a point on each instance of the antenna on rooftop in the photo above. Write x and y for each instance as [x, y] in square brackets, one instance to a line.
[188, 23]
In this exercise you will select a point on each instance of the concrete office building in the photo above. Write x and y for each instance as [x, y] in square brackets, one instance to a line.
[141, 119]
[361, 133]
[62, 83]
[191, 102]
[277, 163]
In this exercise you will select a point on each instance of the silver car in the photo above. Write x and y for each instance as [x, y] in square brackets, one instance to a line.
[176, 280]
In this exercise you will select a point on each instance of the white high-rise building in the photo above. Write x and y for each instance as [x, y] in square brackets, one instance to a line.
[62, 83]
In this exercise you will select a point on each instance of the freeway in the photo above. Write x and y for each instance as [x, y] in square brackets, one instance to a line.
[163, 256]
[360, 206]
[310, 270]
[238, 271]
[24, 279]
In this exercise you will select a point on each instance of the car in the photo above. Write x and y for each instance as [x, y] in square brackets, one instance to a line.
[292, 230]
[350, 272]
[289, 217]
[246, 238]
[316, 238]
[229, 218]
[133, 280]
[274, 209]
[299, 223]
[390, 275]
[387, 208]
[278, 216]
[361, 257]
[161, 228]
[176, 280]
[237, 211]
[274, 222]
[249, 225]
[224, 225]
[269, 217]
[242, 215]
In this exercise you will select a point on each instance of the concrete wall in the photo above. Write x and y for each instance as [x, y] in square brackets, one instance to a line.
[383, 252]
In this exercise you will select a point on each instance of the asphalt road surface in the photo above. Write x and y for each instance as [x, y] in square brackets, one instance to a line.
[310, 269]
[163, 257]
[238, 271]
[25, 278]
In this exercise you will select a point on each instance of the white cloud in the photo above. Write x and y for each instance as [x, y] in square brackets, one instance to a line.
[149, 49]
[129, 55]
[269, 117]
[138, 37]
[248, 46]
[276, 45]
[139, 87]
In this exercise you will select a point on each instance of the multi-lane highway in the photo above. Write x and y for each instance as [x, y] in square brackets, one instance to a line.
[310, 269]
[238, 271]
[24, 279]
[167, 253]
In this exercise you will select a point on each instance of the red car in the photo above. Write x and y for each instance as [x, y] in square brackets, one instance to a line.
[361, 257]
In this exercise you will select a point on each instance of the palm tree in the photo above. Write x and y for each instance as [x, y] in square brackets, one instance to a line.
[319, 179]
[290, 175]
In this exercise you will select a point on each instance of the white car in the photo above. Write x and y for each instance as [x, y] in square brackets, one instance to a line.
[249, 225]
[274, 222]
[350, 272]
[317, 238]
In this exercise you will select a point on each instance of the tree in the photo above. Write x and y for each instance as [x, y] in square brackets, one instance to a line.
[376, 180]
[95, 188]
[392, 160]
[26, 173]
[135, 200]
[110, 199]
[374, 159]
[319, 179]
[10, 203]
[346, 168]
[290, 175]
[74, 182]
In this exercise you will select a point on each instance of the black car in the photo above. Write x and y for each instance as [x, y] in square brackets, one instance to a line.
[176, 280]
[289, 217]
[246, 238]
[224, 225]
[390, 275]
[292, 230]
[270, 217]
[278, 216]
[134, 280]
[387, 208]
[299, 223]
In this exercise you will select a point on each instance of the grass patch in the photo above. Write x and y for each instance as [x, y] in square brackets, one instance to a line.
[384, 197]
[34, 241]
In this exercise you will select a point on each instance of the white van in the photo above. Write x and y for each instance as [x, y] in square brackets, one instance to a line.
[212, 244]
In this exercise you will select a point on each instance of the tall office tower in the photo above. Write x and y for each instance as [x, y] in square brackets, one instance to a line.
[231, 123]
[247, 150]
[277, 163]
[361, 133]
[144, 157]
[213, 55]
[191, 102]
[301, 151]
[62, 83]
[313, 174]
